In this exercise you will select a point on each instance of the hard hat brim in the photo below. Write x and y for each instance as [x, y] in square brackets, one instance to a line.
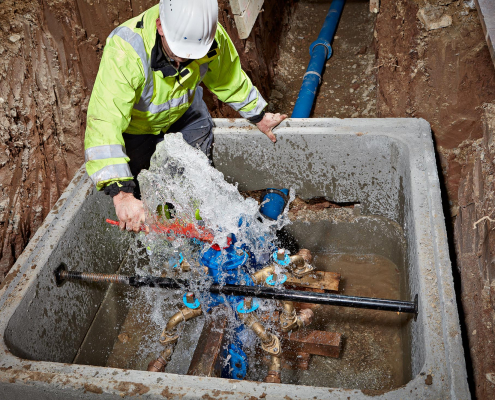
[189, 50]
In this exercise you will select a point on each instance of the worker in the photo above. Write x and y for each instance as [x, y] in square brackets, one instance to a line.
[148, 85]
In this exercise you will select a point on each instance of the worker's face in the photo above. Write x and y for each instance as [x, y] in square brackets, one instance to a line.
[165, 44]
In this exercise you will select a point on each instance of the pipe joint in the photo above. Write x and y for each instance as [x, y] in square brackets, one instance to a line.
[321, 42]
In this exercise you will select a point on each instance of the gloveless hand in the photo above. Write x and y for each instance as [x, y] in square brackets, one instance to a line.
[269, 122]
[130, 211]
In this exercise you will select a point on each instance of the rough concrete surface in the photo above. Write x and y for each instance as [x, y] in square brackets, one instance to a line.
[404, 169]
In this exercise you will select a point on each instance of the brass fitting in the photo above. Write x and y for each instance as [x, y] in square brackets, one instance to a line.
[290, 321]
[170, 334]
[163, 359]
[260, 276]
[288, 317]
[273, 375]
[300, 264]
[185, 266]
[269, 342]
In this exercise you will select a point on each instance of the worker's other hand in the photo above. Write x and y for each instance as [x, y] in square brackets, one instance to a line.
[269, 122]
[130, 212]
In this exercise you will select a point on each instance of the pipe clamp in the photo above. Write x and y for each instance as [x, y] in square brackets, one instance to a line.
[321, 42]
[313, 73]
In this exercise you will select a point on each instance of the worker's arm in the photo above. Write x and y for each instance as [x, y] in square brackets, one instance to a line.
[116, 88]
[226, 78]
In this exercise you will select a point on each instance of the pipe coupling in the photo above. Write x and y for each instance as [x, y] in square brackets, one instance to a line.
[321, 42]
[299, 267]
[273, 377]
[272, 345]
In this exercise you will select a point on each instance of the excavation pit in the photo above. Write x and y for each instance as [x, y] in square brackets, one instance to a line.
[386, 166]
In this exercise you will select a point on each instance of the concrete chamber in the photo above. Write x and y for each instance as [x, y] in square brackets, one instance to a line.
[386, 165]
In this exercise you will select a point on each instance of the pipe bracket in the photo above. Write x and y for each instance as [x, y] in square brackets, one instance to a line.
[321, 42]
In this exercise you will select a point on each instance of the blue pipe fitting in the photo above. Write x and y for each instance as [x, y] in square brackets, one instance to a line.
[273, 202]
[284, 262]
[320, 51]
[192, 306]
[282, 278]
[178, 263]
[236, 367]
[254, 306]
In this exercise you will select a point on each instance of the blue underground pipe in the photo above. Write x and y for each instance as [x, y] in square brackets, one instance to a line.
[320, 51]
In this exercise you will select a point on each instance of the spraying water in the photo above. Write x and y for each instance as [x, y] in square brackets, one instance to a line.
[182, 189]
[181, 181]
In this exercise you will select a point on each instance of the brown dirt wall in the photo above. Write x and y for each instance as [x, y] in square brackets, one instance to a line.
[447, 77]
[49, 57]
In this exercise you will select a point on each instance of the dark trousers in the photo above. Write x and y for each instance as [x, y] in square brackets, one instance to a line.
[196, 128]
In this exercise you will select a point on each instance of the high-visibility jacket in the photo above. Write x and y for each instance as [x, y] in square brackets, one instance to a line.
[132, 96]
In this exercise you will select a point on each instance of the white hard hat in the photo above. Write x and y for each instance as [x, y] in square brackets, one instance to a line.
[189, 26]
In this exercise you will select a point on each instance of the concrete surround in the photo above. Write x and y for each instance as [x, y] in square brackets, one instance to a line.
[387, 165]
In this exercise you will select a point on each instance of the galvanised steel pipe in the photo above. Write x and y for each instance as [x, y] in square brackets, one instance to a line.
[320, 51]
[273, 293]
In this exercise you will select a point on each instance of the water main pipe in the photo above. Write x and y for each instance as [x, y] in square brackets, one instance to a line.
[320, 51]
[273, 293]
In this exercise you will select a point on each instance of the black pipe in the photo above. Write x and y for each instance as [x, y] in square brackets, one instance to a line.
[262, 292]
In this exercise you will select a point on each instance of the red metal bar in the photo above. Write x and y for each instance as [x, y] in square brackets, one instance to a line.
[189, 230]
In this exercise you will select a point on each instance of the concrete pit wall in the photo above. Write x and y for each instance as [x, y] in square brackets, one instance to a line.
[388, 166]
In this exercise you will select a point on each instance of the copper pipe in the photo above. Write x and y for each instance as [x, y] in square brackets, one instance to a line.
[275, 364]
[306, 316]
[185, 266]
[252, 322]
[273, 375]
[163, 359]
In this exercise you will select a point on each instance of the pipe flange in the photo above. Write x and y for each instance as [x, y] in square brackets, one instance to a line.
[302, 272]
[242, 310]
[321, 42]
[273, 347]
[169, 337]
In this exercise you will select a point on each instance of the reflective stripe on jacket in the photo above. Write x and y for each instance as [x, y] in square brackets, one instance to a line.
[130, 96]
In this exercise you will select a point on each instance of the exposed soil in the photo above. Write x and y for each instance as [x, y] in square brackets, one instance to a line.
[349, 84]
[384, 65]
[49, 57]
[445, 76]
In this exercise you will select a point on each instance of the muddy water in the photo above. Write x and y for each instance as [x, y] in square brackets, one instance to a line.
[375, 353]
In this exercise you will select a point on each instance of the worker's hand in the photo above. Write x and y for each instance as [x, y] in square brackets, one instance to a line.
[269, 122]
[130, 211]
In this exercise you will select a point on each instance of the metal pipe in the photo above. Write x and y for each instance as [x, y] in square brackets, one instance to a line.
[320, 51]
[249, 291]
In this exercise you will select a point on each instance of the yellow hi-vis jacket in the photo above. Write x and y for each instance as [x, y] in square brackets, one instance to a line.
[131, 96]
